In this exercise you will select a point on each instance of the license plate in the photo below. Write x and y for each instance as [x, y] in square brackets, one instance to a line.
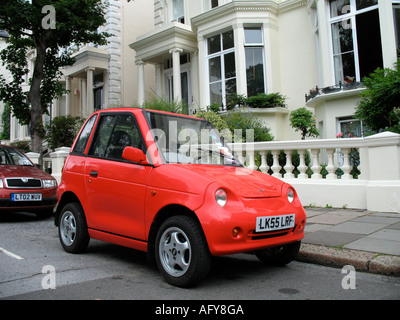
[275, 223]
[26, 197]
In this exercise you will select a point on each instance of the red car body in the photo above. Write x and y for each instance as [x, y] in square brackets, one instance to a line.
[24, 187]
[125, 200]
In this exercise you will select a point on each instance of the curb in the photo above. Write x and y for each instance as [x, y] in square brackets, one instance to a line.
[360, 260]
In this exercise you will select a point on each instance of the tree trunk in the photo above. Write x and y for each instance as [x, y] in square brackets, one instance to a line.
[37, 130]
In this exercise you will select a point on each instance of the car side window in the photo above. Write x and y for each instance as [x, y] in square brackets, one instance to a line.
[114, 133]
[80, 145]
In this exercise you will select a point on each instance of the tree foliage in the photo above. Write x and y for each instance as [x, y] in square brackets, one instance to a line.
[63, 130]
[380, 105]
[32, 28]
[302, 120]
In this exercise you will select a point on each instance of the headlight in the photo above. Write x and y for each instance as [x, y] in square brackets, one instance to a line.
[49, 183]
[221, 197]
[290, 195]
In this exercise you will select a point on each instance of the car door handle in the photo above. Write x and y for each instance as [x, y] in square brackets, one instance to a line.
[94, 174]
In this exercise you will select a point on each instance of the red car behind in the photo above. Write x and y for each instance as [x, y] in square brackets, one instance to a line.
[23, 187]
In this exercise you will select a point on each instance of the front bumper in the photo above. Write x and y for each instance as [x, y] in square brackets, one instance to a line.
[49, 200]
[232, 229]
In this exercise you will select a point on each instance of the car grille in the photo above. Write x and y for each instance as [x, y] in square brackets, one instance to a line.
[266, 235]
[23, 183]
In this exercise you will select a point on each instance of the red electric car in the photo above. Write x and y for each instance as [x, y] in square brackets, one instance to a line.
[24, 187]
[167, 184]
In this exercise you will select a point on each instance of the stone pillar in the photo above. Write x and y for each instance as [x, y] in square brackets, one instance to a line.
[68, 96]
[140, 72]
[57, 161]
[89, 92]
[176, 56]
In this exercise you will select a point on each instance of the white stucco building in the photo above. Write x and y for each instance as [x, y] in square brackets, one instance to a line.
[103, 76]
[314, 52]
[204, 50]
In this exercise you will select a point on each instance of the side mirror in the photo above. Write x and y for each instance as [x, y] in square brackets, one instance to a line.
[134, 155]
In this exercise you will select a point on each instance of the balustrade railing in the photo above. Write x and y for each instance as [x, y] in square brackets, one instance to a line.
[314, 159]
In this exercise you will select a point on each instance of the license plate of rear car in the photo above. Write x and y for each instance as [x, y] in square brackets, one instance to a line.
[26, 197]
[274, 223]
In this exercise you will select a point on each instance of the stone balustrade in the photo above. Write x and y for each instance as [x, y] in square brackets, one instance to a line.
[320, 183]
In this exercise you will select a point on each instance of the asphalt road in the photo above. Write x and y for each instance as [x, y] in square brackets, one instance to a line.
[33, 265]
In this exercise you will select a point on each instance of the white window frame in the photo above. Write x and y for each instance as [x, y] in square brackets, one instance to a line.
[211, 7]
[343, 19]
[256, 45]
[221, 54]
[180, 19]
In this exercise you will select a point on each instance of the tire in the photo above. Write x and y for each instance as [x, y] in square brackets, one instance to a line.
[181, 252]
[279, 256]
[72, 228]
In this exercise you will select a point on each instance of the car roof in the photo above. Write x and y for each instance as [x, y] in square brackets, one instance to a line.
[138, 109]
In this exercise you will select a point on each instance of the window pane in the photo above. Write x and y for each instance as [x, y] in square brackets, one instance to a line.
[342, 37]
[339, 7]
[178, 9]
[214, 3]
[216, 93]
[84, 137]
[369, 42]
[396, 13]
[345, 70]
[103, 133]
[214, 68]
[230, 69]
[230, 87]
[214, 44]
[227, 39]
[253, 36]
[254, 71]
[361, 4]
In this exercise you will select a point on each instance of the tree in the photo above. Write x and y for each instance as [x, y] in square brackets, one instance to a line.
[50, 28]
[380, 105]
[303, 120]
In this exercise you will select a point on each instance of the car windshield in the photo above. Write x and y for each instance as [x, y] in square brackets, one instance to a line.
[11, 156]
[188, 140]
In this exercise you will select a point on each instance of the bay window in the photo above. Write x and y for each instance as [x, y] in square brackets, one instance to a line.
[356, 38]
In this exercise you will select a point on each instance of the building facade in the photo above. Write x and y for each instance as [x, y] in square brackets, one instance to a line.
[203, 51]
[103, 76]
[314, 52]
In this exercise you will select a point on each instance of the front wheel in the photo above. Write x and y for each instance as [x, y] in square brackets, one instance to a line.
[72, 229]
[279, 256]
[182, 253]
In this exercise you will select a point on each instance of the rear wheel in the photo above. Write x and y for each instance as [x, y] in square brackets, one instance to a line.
[182, 253]
[279, 256]
[72, 228]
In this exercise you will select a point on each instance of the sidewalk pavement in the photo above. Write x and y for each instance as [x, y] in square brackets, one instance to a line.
[368, 241]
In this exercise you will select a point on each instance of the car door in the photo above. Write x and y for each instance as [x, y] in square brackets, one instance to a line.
[116, 187]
